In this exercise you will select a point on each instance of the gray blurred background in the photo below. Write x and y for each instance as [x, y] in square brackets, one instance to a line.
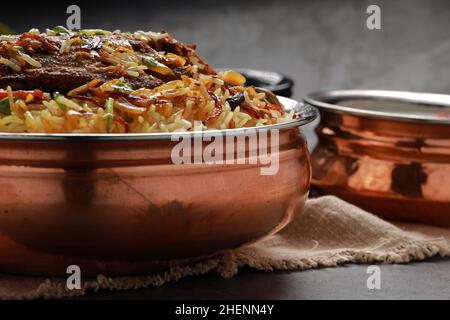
[320, 44]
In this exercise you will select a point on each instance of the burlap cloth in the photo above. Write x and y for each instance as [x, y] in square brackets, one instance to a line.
[328, 233]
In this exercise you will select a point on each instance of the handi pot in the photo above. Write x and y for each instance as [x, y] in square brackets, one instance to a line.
[118, 205]
[385, 151]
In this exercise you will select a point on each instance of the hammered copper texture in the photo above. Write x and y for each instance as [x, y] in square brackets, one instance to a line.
[397, 169]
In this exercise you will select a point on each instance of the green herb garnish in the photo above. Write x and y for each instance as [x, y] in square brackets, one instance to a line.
[122, 87]
[19, 48]
[90, 32]
[5, 107]
[65, 103]
[61, 30]
[56, 97]
[149, 61]
[109, 115]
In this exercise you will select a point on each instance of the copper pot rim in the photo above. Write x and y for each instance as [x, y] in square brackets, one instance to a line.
[305, 114]
[323, 100]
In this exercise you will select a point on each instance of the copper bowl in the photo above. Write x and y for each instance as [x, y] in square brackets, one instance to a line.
[385, 151]
[116, 204]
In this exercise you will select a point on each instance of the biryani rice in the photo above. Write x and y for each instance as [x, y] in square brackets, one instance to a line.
[201, 101]
[180, 105]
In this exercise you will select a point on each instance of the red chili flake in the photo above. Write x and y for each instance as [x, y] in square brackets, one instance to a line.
[275, 107]
[217, 107]
[122, 122]
[257, 114]
[22, 94]
[46, 42]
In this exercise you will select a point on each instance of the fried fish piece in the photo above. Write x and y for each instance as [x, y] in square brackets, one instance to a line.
[65, 60]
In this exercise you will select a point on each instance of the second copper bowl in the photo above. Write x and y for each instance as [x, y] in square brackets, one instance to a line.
[385, 151]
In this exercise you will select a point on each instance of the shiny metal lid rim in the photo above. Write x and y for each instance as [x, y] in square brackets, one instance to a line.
[316, 100]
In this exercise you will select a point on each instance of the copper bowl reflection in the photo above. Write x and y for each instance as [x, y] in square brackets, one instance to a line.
[116, 204]
[385, 151]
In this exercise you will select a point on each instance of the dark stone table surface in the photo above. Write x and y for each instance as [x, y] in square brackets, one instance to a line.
[422, 280]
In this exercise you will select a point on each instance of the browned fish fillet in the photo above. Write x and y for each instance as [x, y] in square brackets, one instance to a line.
[61, 62]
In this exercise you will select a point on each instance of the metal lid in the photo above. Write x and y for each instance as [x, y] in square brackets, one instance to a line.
[394, 105]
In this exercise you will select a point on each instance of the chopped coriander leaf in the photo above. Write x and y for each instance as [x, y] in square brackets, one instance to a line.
[5, 107]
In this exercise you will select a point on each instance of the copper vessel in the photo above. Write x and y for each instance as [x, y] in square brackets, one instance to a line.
[116, 204]
[385, 151]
